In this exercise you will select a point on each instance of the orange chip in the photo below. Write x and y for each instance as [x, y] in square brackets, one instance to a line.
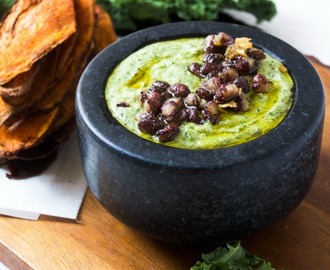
[38, 82]
[31, 34]
[15, 90]
[29, 133]
[85, 26]
[104, 32]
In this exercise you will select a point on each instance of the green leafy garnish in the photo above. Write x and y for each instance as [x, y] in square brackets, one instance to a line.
[231, 257]
[128, 14]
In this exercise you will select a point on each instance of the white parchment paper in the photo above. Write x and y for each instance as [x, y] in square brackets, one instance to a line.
[302, 24]
[59, 191]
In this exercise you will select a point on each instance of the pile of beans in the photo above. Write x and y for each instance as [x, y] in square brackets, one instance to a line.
[229, 70]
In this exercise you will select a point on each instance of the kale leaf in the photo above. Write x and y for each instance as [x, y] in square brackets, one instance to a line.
[130, 14]
[231, 257]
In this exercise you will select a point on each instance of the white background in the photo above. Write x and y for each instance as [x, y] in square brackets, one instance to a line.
[303, 24]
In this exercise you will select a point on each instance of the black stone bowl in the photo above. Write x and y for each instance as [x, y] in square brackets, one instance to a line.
[199, 196]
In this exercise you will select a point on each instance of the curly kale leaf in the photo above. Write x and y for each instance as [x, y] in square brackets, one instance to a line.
[231, 257]
[128, 14]
[263, 10]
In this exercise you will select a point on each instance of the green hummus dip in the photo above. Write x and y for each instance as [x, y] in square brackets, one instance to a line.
[168, 61]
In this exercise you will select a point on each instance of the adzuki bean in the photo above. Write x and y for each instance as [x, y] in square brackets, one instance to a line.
[229, 69]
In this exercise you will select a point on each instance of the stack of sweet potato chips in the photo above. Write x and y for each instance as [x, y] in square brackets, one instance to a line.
[44, 47]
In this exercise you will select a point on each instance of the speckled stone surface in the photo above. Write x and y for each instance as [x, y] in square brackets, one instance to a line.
[199, 196]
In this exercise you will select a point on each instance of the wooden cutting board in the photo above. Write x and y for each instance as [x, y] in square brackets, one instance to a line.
[98, 241]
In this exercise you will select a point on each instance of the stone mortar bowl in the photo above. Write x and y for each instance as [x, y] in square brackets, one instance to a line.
[199, 196]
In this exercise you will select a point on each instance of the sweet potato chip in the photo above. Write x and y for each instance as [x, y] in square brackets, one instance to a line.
[56, 94]
[85, 26]
[16, 90]
[11, 16]
[21, 45]
[38, 83]
[6, 111]
[12, 113]
[64, 57]
[26, 93]
[66, 112]
[104, 33]
[78, 58]
[85, 20]
[29, 133]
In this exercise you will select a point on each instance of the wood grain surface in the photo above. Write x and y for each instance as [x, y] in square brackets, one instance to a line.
[98, 241]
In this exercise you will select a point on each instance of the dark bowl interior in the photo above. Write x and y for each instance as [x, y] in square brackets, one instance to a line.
[199, 196]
